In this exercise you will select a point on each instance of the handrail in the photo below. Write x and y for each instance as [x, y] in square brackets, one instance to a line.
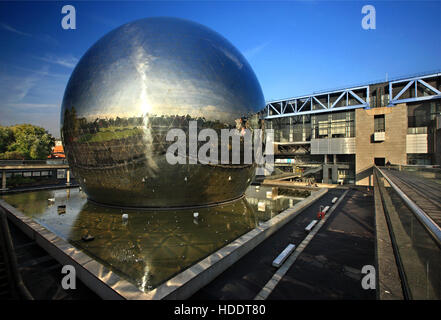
[421, 167]
[22, 162]
[427, 222]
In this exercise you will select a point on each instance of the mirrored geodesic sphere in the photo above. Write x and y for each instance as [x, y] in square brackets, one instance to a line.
[134, 85]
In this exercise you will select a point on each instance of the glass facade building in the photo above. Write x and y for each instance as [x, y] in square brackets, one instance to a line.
[348, 131]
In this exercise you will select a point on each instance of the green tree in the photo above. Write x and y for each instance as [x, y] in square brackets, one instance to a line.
[6, 138]
[28, 142]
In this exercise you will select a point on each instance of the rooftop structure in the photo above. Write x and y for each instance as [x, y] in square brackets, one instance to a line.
[345, 132]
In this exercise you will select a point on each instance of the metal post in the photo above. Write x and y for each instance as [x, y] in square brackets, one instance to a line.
[291, 132]
[390, 93]
[4, 180]
[368, 99]
[67, 177]
[427, 281]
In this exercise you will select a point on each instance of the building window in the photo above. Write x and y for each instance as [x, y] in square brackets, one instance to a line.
[380, 162]
[379, 123]
[333, 125]
[419, 159]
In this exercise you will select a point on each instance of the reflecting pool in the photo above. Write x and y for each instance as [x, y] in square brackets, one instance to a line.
[149, 247]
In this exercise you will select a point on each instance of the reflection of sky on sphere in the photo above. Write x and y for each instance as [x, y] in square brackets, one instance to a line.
[134, 85]
[163, 67]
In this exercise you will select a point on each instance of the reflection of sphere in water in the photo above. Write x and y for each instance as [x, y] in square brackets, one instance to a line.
[130, 88]
[142, 249]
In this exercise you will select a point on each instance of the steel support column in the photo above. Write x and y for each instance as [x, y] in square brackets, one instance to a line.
[4, 180]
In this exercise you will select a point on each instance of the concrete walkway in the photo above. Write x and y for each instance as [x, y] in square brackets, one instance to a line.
[328, 268]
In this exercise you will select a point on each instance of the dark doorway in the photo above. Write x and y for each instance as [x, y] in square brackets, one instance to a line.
[380, 162]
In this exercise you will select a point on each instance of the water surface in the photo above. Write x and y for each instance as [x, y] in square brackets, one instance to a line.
[150, 247]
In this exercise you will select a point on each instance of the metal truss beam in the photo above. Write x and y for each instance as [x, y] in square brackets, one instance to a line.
[304, 104]
[413, 96]
[315, 112]
[338, 100]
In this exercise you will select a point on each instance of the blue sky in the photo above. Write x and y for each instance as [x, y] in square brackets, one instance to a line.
[294, 47]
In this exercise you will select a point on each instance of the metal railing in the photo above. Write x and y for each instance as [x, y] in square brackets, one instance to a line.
[429, 172]
[427, 222]
[416, 240]
[371, 82]
[33, 162]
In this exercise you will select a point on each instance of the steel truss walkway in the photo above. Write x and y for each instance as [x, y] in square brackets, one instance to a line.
[413, 89]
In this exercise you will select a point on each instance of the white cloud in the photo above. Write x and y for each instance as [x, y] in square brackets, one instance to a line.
[14, 88]
[47, 39]
[28, 106]
[42, 72]
[39, 37]
[12, 29]
[66, 61]
[255, 50]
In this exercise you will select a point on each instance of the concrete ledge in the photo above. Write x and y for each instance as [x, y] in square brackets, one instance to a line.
[30, 189]
[109, 285]
[388, 278]
[302, 185]
[197, 276]
[63, 252]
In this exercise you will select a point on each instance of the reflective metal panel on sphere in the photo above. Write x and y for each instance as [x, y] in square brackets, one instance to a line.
[134, 85]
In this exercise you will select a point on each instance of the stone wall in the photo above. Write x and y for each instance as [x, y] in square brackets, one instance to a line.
[393, 149]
